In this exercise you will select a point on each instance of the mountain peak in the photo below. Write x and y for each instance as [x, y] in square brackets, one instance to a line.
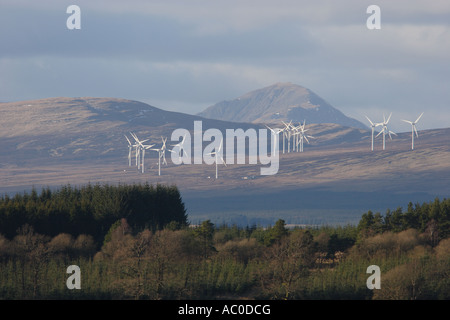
[282, 101]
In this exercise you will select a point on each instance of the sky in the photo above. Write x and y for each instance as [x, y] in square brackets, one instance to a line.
[185, 55]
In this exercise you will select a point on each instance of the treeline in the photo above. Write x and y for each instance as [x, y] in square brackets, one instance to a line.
[432, 217]
[92, 209]
[231, 262]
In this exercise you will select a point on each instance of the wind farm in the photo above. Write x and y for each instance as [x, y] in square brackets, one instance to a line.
[335, 160]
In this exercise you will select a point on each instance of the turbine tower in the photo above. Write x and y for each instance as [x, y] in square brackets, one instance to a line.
[144, 147]
[287, 134]
[180, 148]
[373, 125]
[385, 130]
[130, 149]
[161, 154]
[413, 129]
[276, 132]
[140, 147]
[302, 136]
[216, 153]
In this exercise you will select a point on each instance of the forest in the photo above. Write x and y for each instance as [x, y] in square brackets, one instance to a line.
[135, 242]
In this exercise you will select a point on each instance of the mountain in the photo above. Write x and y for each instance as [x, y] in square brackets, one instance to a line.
[281, 101]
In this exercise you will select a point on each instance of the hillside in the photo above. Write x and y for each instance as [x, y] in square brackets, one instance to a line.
[279, 102]
[63, 129]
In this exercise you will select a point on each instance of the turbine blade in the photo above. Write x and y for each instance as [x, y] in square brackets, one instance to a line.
[389, 118]
[419, 118]
[223, 161]
[370, 121]
[415, 130]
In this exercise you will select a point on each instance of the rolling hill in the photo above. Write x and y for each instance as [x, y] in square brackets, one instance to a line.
[84, 129]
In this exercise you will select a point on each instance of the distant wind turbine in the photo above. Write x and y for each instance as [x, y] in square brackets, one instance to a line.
[385, 130]
[161, 154]
[301, 135]
[276, 132]
[373, 125]
[180, 148]
[144, 147]
[140, 147]
[217, 154]
[287, 134]
[413, 129]
[130, 149]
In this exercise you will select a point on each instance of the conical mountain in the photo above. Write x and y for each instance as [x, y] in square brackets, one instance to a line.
[281, 101]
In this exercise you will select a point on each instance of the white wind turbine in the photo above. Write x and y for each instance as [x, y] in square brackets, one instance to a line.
[130, 149]
[413, 129]
[385, 130]
[161, 154]
[296, 133]
[302, 136]
[276, 132]
[373, 125]
[287, 134]
[298, 138]
[144, 147]
[180, 148]
[139, 147]
[217, 154]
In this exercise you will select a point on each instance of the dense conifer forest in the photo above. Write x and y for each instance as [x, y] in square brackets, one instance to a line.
[135, 242]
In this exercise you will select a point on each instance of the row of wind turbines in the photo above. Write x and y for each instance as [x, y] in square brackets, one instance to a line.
[291, 132]
[295, 133]
[140, 149]
[385, 131]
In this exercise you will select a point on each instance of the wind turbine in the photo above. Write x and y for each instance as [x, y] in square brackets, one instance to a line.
[287, 134]
[144, 147]
[296, 132]
[180, 148]
[130, 149]
[217, 155]
[385, 130]
[276, 132]
[139, 147]
[373, 125]
[302, 136]
[161, 154]
[413, 129]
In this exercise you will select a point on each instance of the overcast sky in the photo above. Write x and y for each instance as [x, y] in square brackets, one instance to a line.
[187, 55]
